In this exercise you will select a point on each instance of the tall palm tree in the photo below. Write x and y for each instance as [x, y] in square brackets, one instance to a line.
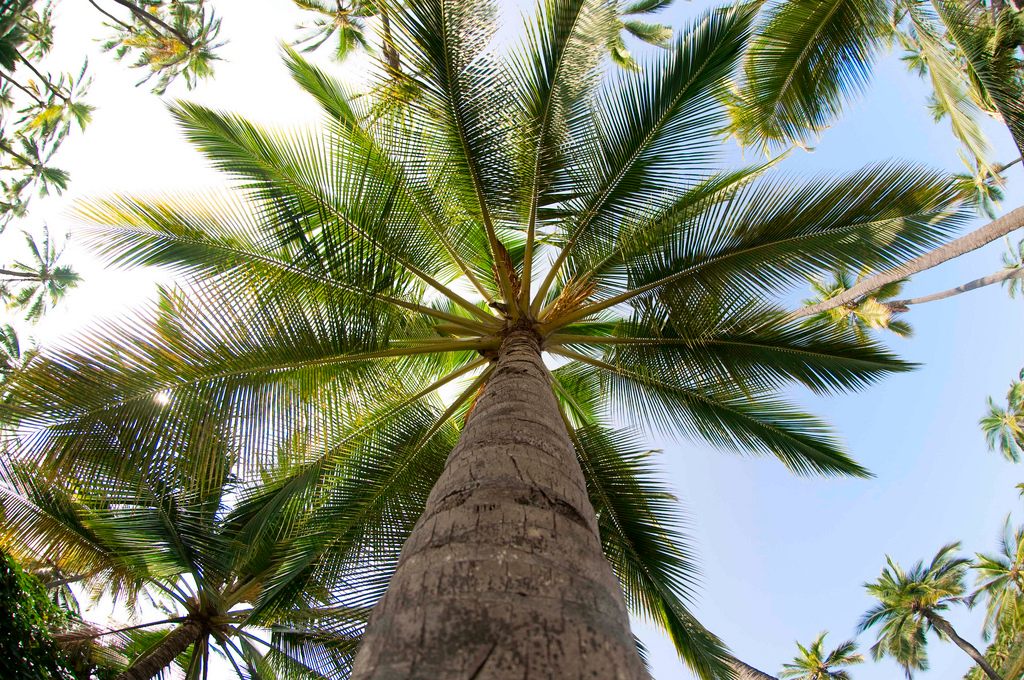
[815, 663]
[910, 605]
[525, 206]
[35, 286]
[1004, 427]
[1000, 578]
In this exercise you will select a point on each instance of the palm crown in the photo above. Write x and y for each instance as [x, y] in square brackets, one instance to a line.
[1000, 578]
[358, 274]
[189, 535]
[909, 605]
[815, 663]
[1004, 427]
[33, 287]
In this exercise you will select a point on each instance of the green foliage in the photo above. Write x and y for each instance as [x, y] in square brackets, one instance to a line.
[38, 109]
[1000, 579]
[27, 620]
[1004, 426]
[910, 603]
[275, 420]
[815, 663]
[1014, 259]
[167, 38]
[808, 57]
[347, 20]
[1006, 653]
[33, 287]
[811, 57]
[870, 313]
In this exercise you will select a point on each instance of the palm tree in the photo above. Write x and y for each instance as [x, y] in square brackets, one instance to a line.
[814, 663]
[35, 286]
[1001, 578]
[870, 313]
[811, 56]
[348, 20]
[910, 605]
[520, 207]
[189, 534]
[1004, 427]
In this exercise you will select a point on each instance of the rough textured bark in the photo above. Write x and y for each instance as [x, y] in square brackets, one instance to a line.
[503, 575]
[176, 642]
[1009, 222]
[745, 672]
[979, 658]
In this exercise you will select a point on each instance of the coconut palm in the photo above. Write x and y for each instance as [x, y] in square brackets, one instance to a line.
[522, 206]
[35, 286]
[348, 20]
[1004, 427]
[910, 605]
[815, 663]
[870, 313]
[1000, 578]
[189, 534]
[812, 56]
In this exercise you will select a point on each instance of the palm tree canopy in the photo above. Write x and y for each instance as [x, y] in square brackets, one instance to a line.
[870, 313]
[814, 662]
[190, 534]
[810, 57]
[906, 599]
[1004, 426]
[360, 272]
[35, 286]
[1000, 578]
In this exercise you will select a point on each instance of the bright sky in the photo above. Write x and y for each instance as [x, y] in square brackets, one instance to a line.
[783, 557]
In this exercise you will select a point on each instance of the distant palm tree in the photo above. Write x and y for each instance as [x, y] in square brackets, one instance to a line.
[815, 663]
[1001, 578]
[35, 286]
[1004, 426]
[869, 313]
[910, 606]
[527, 203]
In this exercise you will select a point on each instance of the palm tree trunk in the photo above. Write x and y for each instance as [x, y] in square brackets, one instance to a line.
[998, 277]
[1009, 222]
[944, 626]
[745, 672]
[503, 575]
[161, 656]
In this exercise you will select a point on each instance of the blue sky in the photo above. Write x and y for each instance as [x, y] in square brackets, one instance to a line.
[782, 557]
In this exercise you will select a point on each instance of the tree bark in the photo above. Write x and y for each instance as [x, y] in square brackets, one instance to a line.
[503, 575]
[998, 277]
[1009, 222]
[745, 672]
[161, 656]
[947, 629]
